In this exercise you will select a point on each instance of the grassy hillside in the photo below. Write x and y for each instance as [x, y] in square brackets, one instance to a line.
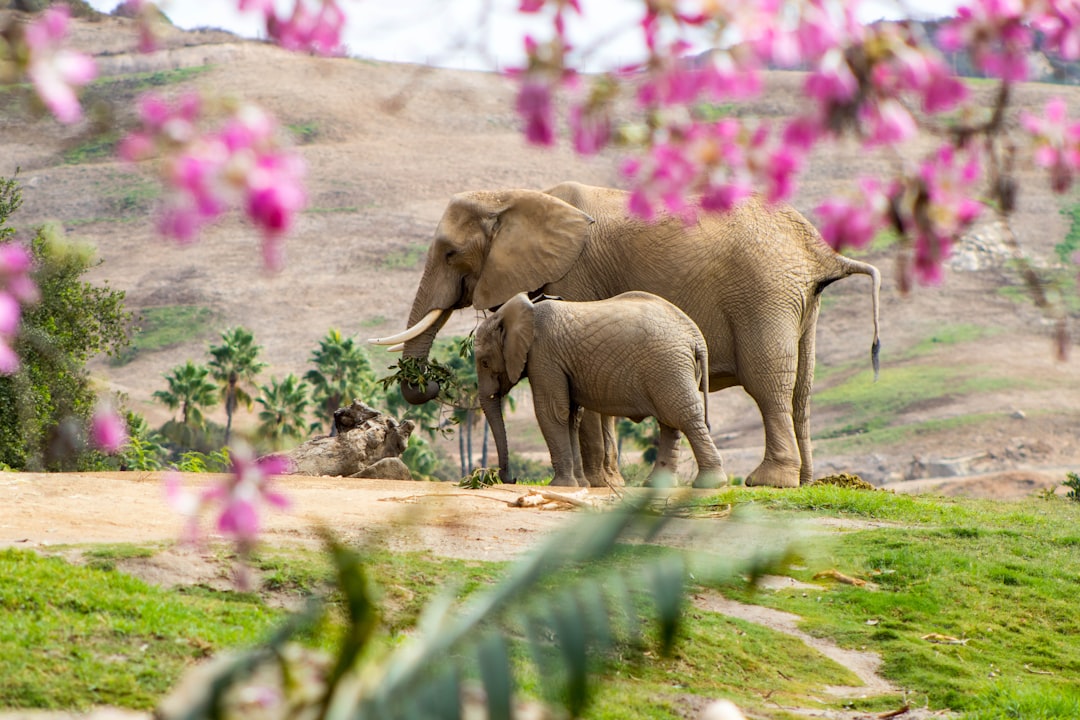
[968, 368]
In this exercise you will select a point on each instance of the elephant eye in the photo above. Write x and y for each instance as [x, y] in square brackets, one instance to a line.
[450, 255]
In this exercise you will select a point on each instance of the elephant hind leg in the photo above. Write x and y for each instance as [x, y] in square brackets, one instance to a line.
[771, 383]
[710, 464]
[663, 472]
[804, 385]
[599, 451]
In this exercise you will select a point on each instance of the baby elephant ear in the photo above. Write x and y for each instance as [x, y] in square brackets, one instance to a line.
[536, 238]
[518, 321]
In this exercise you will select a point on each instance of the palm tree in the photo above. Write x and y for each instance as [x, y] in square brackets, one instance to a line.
[284, 407]
[342, 372]
[235, 365]
[190, 390]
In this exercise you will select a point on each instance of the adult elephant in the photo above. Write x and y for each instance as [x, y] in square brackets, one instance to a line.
[750, 278]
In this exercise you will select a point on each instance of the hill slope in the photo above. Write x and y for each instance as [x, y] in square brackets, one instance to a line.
[968, 373]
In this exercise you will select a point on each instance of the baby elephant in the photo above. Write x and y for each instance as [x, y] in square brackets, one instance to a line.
[634, 355]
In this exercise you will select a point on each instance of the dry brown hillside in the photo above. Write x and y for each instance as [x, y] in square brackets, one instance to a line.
[969, 382]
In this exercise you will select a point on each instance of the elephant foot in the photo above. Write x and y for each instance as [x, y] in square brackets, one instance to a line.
[661, 478]
[773, 474]
[564, 481]
[606, 478]
[709, 479]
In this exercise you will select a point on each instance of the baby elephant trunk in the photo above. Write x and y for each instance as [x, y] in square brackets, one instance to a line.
[492, 407]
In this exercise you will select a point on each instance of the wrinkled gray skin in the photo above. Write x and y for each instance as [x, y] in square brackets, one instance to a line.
[750, 279]
[634, 355]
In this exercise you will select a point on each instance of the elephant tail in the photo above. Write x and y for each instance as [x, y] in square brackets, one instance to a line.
[855, 267]
[701, 355]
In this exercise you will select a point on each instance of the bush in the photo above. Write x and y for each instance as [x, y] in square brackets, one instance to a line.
[45, 407]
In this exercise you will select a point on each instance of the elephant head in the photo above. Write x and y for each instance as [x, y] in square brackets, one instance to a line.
[502, 350]
[488, 247]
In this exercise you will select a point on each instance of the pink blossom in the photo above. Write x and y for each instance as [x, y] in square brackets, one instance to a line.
[240, 164]
[590, 129]
[934, 205]
[317, 31]
[887, 122]
[832, 81]
[15, 266]
[108, 431]
[54, 70]
[931, 252]
[10, 313]
[853, 222]
[16, 290]
[9, 361]
[1060, 24]
[238, 497]
[996, 34]
[1057, 143]
[534, 105]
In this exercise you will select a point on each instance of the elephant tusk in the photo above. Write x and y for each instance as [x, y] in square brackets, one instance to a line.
[408, 334]
[396, 348]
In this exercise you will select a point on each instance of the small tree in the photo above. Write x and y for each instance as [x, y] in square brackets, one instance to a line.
[45, 406]
[285, 406]
[342, 372]
[190, 390]
[234, 365]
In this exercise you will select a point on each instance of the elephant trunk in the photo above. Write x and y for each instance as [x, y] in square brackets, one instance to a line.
[492, 407]
[419, 347]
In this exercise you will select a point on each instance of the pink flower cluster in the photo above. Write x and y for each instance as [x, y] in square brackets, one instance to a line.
[108, 431]
[16, 290]
[239, 497]
[722, 162]
[932, 205]
[1057, 143]
[306, 29]
[54, 70]
[241, 162]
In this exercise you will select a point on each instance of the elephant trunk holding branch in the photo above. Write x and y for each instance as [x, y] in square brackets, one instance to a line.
[750, 279]
[634, 355]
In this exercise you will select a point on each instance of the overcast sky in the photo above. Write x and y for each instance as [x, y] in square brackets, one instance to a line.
[474, 34]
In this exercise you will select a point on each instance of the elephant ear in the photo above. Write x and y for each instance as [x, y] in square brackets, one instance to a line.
[518, 318]
[535, 239]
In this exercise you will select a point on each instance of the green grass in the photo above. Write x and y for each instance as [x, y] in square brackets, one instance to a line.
[870, 405]
[405, 258]
[119, 87]
[1003, 577]
[77, 637]
[304, 133]
[98, 147]
[166, 326]
[853, 438]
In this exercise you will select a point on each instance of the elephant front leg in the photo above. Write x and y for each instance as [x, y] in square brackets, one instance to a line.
[554, 416]
[667, 459]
